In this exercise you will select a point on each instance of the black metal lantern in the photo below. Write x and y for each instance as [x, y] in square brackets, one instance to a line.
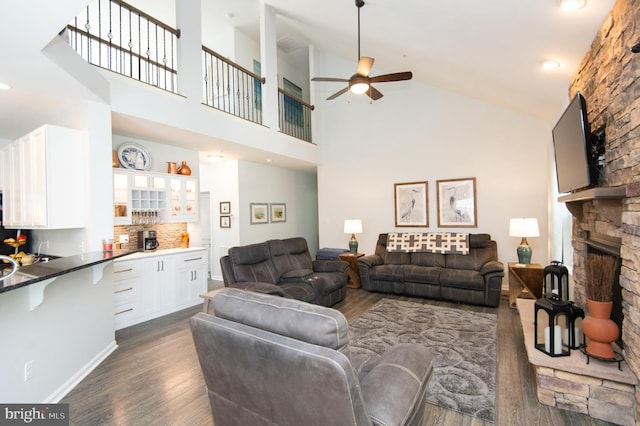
[552, 325]
[575, 327]
[556, 280]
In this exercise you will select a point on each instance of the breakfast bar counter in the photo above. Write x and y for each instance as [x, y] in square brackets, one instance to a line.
[44, 271]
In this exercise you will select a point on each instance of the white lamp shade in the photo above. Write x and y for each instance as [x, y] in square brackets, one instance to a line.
[353, 226]
[524, 227]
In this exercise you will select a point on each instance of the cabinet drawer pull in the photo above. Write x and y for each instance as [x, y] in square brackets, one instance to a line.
[126, 310]
[123, 290]
[191, 260]
[123, 270]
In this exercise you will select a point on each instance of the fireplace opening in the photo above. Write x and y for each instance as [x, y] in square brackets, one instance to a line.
[610, 246]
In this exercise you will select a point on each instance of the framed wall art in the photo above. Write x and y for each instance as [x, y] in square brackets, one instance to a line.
[457, 204]
[225, 221]
[411, 204]
[259, 213]
[225, 207]
[278, 212]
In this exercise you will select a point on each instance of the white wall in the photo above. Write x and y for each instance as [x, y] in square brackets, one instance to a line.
[270, 184]
[421, 133]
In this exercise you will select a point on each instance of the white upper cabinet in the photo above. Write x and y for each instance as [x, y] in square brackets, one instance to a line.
[44, 180]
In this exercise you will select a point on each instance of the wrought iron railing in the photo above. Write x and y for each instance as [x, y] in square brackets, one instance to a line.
[231, 88]
[115, 35]
[295, 116]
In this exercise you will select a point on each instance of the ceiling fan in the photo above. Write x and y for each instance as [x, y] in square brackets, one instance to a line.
[360, 82]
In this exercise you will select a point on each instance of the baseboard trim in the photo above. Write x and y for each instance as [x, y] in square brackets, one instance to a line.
[73, 381]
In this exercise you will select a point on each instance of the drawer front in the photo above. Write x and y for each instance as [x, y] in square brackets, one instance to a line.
[193, 260]
[125, 270]
[125, 290]
[126, 313]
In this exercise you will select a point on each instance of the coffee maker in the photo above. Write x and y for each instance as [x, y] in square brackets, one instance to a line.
[147, 240]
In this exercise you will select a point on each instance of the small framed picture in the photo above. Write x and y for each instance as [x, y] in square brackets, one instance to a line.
[225, 221]
[259, 213]
[412, 204]
[457, 205]
[225, 207]
[278, 212]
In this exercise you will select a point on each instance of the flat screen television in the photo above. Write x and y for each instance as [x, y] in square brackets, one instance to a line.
[572, 144]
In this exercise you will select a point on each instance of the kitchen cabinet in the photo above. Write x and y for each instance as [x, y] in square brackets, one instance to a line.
[183, 196]
[192, 278]
[145, 198]
[37, 170]
[149, 285]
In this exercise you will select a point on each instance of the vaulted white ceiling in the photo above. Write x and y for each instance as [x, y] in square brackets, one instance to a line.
[490, 50]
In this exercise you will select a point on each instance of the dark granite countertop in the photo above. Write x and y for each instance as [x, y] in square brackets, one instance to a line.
[41, 271]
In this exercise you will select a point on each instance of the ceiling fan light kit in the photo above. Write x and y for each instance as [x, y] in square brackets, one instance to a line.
[360, 82]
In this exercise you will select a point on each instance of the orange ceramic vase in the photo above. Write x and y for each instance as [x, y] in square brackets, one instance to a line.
[600, 329]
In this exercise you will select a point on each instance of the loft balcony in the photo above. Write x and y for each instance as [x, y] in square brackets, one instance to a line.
[116, 36]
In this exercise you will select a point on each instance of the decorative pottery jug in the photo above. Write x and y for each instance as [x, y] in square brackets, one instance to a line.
[171, 167]
[600, 329]
[184, 169]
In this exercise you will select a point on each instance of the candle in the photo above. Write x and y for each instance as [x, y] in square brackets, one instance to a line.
[557, 340]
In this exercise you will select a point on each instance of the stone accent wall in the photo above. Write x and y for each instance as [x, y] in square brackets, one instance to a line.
[606, 400]
[169, 234]
[609, 78]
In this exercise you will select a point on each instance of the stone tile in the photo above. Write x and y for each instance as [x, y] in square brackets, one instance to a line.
[611, 413]
[612, 396]
[546, 396]
[564, 386]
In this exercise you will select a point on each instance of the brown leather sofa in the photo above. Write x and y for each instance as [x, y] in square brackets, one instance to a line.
[285, 268]
[474, 278]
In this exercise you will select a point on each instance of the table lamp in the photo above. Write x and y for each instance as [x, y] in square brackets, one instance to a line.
[524, 227]
[353, 227]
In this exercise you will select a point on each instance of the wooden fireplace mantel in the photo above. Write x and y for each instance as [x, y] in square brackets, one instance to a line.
[608, 201]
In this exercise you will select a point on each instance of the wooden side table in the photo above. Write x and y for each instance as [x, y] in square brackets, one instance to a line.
[354, 271]
[525, 278]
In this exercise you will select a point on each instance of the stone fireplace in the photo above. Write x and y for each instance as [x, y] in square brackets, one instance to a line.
[609, 79]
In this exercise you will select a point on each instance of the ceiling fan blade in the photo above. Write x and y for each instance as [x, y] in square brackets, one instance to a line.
[374, 93]
[341, 80]
[398, 76]
[364, 66]
[338, 93]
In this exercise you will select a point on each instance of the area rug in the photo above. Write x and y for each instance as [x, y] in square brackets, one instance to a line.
[464, 374]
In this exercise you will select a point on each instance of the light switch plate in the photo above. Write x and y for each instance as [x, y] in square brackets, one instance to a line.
[124, 238]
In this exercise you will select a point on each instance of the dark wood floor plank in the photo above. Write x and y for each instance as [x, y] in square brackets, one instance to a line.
[154, 377]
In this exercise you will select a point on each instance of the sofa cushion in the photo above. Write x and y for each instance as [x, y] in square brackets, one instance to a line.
[313, 324]
[472, 261]
[299, 290]
[463, 279]
[387, 272]
[325, 283]
[290, 254]
[428, 259]
[422, 274]
[253, 263]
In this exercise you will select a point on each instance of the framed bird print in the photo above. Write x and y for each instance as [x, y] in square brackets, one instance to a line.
[457, 203]
[411, 204]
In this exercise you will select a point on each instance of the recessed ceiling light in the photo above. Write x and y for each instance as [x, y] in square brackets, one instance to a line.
[269, 160]
[215, 157]
[572, 4]
[550, 64]
[4, 86]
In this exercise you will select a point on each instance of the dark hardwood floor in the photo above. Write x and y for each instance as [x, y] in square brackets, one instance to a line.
[154, 378]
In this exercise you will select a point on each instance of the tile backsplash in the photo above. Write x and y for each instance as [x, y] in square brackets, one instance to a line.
[169, 234]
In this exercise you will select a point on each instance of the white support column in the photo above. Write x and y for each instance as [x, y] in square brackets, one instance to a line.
[269, 60]
[188, 21]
